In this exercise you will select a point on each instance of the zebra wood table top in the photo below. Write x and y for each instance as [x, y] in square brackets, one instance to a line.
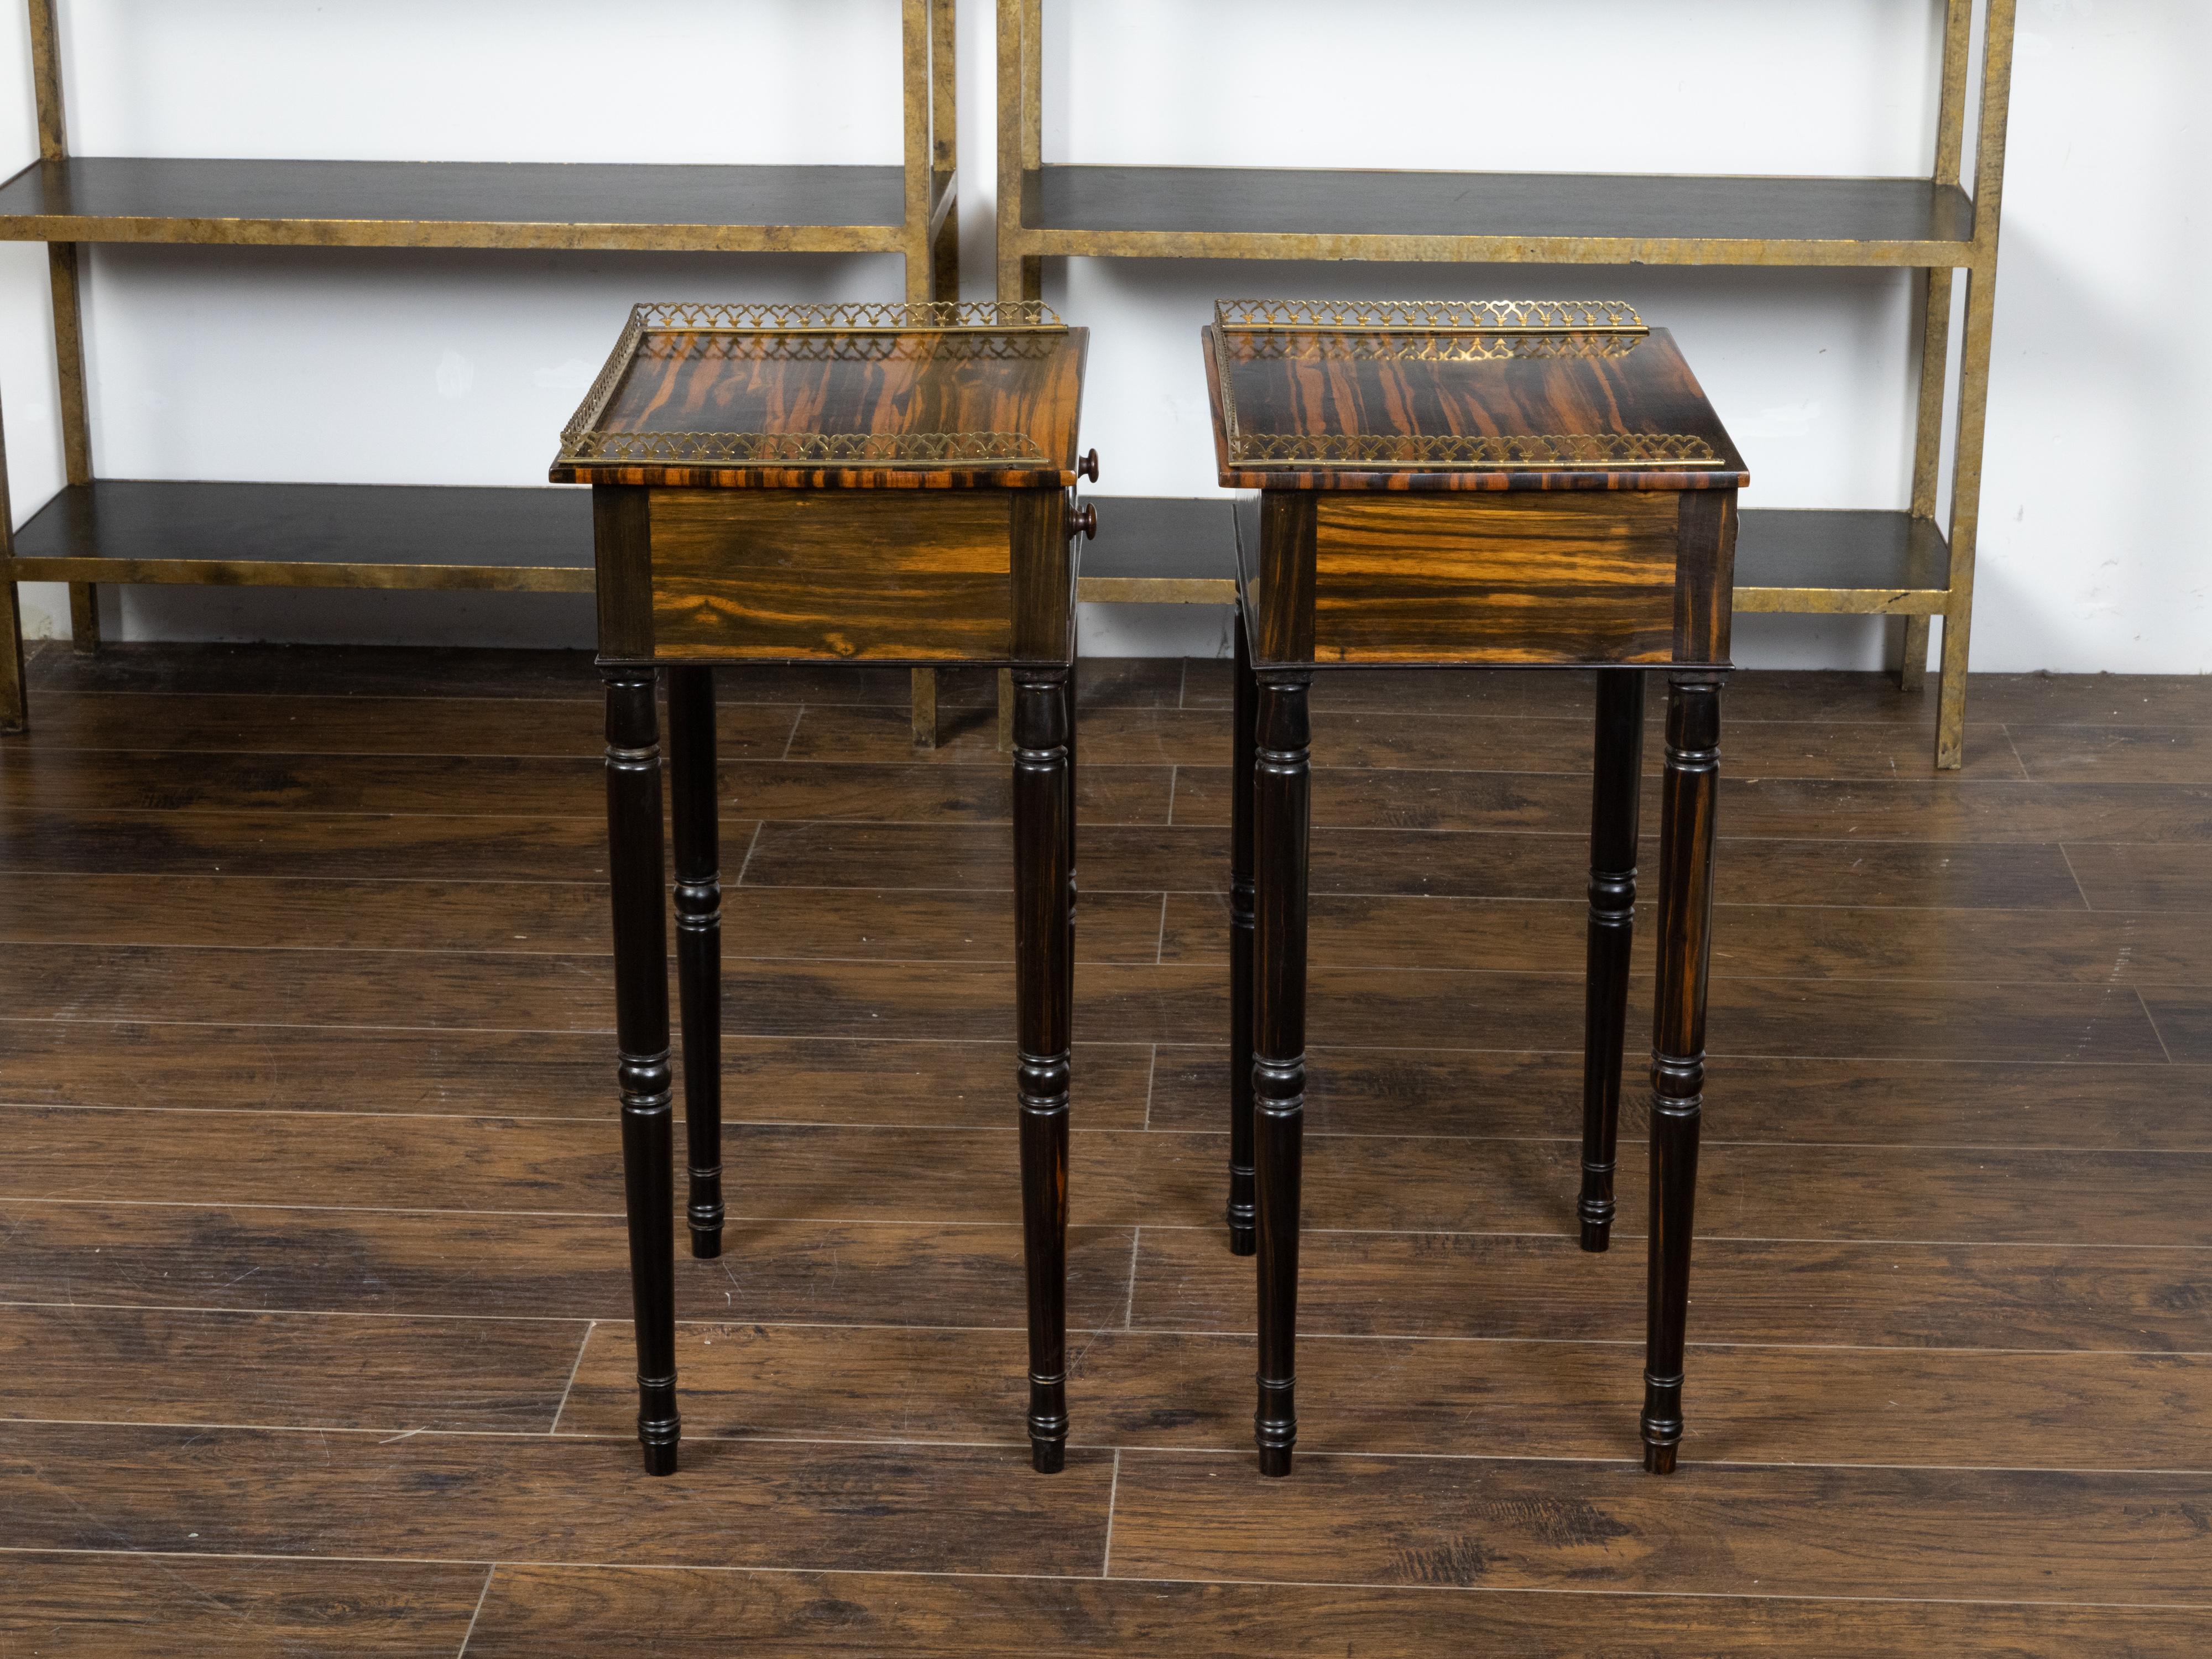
[934, 397]
[1452, 396]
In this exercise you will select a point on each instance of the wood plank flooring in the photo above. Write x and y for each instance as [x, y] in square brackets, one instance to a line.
[314, 1295]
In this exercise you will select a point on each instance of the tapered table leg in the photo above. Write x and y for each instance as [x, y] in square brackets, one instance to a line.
[1247, 697]
[698, 942]
[640, 936]
[1678, 1044]
[1613, 801]
[1044, 804]
[1074, 891]
[1282, 815]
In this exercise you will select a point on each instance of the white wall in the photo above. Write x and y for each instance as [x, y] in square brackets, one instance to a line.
[460, 366]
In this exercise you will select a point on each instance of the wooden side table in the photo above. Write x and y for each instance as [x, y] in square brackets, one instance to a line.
[849, 483]
[1444, 485]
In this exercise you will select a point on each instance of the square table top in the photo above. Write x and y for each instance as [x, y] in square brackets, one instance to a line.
[867, 396]
[1457, 395]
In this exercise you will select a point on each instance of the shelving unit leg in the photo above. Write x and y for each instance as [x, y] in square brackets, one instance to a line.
[69, 320]
[925, 709]
[77, 425]
[1928, 431]
[1974, 379]
[1965, 517]
[1912, 654]
[14, 706]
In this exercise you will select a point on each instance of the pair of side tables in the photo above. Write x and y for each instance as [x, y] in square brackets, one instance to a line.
[1437, 486]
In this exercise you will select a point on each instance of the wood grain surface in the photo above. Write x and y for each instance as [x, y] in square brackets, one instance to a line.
[1531, 579]
[535, 1610]
[314, 1296]
[830, 574]
[1285, 404]
[1022, 390]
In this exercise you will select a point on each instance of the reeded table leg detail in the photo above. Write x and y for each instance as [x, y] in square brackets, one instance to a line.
[1613, 806]
[1282, 818]
[1074, 891]
[698, 942]
[640, 937]
[1678, 1044]
[1242, 1241]
[1044, 809]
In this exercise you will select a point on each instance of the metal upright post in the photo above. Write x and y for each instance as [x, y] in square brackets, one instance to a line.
[63, 273]
[1936, 322]
[1021, 140]
[1974, 381]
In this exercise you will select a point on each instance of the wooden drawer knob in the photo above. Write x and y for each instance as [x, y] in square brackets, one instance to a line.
[1084, 521]
[1088, 467]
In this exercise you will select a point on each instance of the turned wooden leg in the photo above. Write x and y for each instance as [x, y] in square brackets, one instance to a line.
[641, 1035]
[1612, 938]
[1282, 810]
[1678, 1043]
[1044, 803]
[1073, 890]
[1242, 1241]
[698, 942]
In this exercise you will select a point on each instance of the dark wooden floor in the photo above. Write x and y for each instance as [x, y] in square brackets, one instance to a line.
[312, 1279]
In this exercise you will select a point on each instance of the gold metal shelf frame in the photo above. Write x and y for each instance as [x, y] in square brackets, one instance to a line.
[65, 202]
[1930, 224]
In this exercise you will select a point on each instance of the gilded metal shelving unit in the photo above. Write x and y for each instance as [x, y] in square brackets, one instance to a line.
[1899, 564]
[403, 536]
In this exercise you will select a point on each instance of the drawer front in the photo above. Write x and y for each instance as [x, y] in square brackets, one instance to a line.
[840, 575]
[1520, 578]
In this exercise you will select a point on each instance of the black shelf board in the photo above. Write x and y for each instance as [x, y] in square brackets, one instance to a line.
[1153, 540]
[1787, 559]
[121, 530]
[445, 536]
[451, 204]
[1868, 551]
[1215, 205]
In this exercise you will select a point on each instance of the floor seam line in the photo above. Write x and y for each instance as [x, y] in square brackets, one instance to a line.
[569, 1386]
[747, 862]
[2143, 1004]
[570, 1564]
[1113, 1494]
[483, 1596]
[1129, 1309]
[2075, 876]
